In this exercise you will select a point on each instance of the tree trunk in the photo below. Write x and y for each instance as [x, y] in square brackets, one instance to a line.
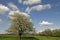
[20, 36]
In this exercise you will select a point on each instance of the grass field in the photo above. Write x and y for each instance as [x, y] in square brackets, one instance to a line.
[14, 37]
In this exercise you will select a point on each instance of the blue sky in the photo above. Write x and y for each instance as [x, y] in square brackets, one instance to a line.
[44, 13]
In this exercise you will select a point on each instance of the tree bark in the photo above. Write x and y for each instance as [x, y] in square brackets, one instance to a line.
[20, 36]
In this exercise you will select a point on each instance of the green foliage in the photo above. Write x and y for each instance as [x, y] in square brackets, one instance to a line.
[49, 32]
[56, 32]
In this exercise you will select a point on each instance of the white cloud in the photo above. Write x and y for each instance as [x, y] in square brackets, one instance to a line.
[27, 10]
[25, 14]
[30, 2]
[3, 9]
[13, 6]
[15, 9]
[12, 13]
[20, 1]
[45, 23]
[38, 8]
[47, 6]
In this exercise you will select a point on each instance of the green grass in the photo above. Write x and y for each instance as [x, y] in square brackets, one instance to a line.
[14, 37]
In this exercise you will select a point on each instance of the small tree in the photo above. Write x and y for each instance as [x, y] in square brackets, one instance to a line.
[20, 23]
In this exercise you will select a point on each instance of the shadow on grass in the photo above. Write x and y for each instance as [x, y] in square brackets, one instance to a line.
[29, 38]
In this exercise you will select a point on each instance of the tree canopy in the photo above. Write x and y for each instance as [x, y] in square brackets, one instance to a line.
[20, 23]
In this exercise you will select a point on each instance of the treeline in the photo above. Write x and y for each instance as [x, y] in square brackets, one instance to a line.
[49, 32]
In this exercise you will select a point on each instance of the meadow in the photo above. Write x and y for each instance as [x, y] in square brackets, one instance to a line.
[27, 37]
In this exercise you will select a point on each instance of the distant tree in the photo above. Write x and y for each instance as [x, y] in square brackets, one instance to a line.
[20, 24]
[56, 32]
[47, 32]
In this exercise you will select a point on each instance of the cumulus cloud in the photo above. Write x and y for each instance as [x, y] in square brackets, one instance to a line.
[15, 9]
[12, 13]
[30, 2]
[38, 8]
[45, 23]
[3, 9]
[13, 6]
